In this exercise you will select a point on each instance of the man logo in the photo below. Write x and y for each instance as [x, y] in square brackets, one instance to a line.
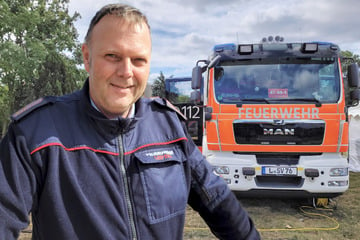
[279, 122]
[279, 131]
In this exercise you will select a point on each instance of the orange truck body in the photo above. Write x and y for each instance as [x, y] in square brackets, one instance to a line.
[220, 134]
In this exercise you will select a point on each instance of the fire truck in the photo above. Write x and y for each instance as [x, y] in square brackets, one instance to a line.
[272, 117]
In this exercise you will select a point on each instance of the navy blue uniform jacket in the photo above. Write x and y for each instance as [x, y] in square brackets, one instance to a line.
[83, 176]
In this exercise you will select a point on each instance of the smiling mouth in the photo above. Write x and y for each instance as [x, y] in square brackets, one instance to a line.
[121, 87]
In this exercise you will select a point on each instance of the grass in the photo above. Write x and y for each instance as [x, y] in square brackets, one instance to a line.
[278, 219]
[288, 219]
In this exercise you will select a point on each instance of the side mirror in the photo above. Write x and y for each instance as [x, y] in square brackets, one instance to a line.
[196, 77]
[208, 112]
[353, 75]
[355, 96]
[195, 97]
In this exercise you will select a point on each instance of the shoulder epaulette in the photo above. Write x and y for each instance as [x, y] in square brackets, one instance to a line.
[169, 105]
[30, 108]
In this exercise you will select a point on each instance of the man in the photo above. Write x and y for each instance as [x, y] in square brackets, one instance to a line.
[104, 163]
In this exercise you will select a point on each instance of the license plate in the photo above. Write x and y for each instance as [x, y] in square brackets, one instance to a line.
[279, 171]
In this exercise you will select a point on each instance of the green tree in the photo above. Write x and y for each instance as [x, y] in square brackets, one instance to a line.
[4, 108]
[158, 87]
[39, 53]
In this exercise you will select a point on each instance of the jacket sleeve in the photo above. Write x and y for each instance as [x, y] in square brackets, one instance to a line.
[216, 204]
[16, 185]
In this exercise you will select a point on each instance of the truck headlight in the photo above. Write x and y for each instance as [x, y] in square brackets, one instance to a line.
[337, 183]
[337, 172]
[221, 170]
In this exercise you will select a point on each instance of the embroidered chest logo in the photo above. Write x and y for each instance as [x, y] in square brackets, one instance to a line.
[161, 155]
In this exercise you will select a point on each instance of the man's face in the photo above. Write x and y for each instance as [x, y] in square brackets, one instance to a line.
[117, 59]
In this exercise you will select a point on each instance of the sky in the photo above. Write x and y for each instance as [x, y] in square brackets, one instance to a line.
[184, 31]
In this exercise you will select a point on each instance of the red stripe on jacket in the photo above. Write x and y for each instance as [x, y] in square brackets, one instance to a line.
[103, 151]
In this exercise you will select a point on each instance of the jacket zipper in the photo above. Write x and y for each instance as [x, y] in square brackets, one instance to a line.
[126, 188]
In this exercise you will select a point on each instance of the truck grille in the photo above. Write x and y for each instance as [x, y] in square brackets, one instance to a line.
[279, 132]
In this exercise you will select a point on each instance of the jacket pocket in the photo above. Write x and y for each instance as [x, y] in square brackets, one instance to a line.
[163, 179]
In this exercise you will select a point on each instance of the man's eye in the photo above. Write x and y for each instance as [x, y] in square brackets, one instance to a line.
[139, 61]
[112, 56]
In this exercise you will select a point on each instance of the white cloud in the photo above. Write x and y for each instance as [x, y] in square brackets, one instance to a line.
[184, 31]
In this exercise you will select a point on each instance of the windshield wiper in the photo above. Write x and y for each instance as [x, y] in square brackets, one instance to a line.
[268, 101]
[261, 100]
[311, 100]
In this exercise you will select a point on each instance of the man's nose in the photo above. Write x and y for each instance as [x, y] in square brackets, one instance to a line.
[125, 68]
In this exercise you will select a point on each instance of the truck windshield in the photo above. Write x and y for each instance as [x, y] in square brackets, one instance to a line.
[277, 81]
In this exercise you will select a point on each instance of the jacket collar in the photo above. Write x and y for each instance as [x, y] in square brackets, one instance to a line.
[113, 126]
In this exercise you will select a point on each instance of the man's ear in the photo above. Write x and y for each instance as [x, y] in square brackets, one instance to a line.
[86, 56]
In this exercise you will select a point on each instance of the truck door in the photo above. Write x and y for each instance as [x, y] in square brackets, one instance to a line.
[177, 91]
